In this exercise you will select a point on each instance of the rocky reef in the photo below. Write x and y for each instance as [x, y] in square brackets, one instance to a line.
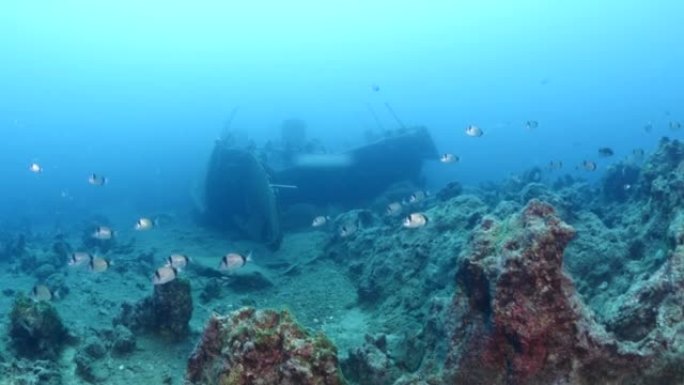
[261, 347]
[527, 282]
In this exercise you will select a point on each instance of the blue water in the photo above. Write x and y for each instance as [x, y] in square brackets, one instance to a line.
[138, 91]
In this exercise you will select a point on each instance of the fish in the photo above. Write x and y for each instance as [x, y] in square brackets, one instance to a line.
[42, 293]
[605, 152]
[35, 168]
[234, 261]
[347, 229]
[418, 196]
[164, 275]
[79, 258]
[375, 87]
[449, 158]
[393, 209]
[555, 164]
[531, 124]
[144, 224]
[320, 221]
[415, 220]
[99, 264]
[588, 165]
[97, 180]
[674, 125]
[474, 131]
[177, 261]
[103, 233]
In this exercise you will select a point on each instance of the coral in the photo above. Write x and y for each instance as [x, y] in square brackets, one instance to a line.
[36, 330]
[518, 319]
[261, 347]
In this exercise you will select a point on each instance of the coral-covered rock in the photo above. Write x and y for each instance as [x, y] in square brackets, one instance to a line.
[651, 312]
[36, 330]
[172, 304]
[261, 347]
[520, 321]
[662, 176]
[166, 313]
[596, 259]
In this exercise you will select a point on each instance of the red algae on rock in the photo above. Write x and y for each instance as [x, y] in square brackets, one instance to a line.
[261, 347]
[521, 321]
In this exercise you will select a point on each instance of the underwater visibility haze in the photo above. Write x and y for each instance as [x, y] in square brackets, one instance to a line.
[341, 192]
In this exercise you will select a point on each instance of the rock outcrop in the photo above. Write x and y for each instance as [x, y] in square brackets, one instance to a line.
[518, 319]
[261, 347]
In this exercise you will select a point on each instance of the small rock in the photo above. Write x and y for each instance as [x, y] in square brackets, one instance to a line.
[90, 370]
[124, 340]
[94, 347]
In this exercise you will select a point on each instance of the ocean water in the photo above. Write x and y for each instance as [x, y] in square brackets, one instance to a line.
[139, 92]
